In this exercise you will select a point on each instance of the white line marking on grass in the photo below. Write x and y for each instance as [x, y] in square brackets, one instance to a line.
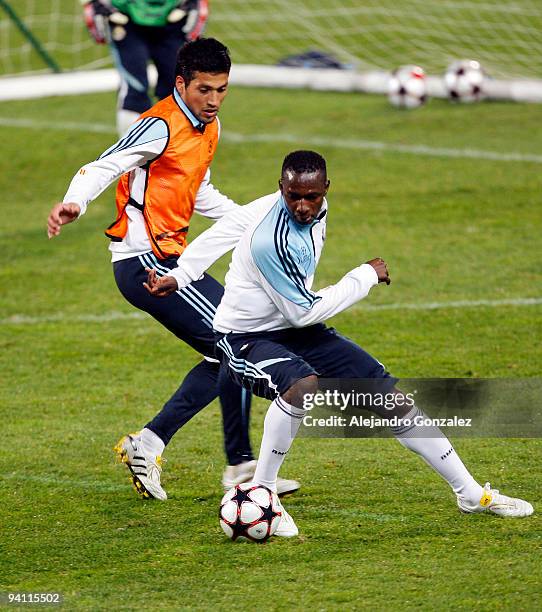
[456, 304]
[372, 145]
[70, 126]
[59, 317]
[21, 319]
[339, 143]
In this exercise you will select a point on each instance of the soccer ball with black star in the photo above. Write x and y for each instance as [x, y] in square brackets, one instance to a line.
[464, 81]
[250, 512]
[407, 87]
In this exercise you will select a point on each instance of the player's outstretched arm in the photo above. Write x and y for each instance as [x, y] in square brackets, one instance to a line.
[61, 214]
[302, 307]
[202, 252]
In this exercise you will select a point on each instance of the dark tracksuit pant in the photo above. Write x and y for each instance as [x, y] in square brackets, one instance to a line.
[132, 54]
[188, 314]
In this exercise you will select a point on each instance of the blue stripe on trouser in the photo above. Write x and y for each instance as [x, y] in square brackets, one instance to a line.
[246, 369]
[190, 293]
[248, 373]
[187, 296]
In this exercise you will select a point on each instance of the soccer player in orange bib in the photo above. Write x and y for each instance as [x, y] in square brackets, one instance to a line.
[163, 163]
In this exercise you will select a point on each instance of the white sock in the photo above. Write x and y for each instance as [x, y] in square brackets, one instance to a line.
[430, 443]
[125, 118]
[281, 424]
[152, 443]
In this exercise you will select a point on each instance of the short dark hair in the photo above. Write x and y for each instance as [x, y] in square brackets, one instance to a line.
[304, 162]
[202, 55]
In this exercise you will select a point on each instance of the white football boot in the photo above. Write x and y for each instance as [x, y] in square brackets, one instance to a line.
[145, 468]
[244, 472]
[287, 527]
[495, 502]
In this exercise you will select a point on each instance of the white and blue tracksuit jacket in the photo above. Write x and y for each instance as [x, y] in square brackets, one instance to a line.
[268, 285]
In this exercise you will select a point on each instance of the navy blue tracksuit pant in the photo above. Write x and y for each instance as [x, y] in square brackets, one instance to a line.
[188, 314]
[133, 51]
[269, 363]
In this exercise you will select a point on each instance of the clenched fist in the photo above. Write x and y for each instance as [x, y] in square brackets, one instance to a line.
[381, 270]
[159, 286]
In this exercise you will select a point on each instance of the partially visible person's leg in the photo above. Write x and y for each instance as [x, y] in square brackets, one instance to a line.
[163, 48]
[131, 54]
[197, 390]
[348, 360]
[188, 314]
[262, 363]
[236, 424]
[269, 364]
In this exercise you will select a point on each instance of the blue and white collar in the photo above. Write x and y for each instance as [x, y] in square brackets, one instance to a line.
[199, 125]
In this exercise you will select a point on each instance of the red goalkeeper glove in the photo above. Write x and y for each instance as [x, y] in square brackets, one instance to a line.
[193, 14]
[96, 14]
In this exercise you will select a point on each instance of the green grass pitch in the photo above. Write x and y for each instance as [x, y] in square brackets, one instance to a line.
[379, 530]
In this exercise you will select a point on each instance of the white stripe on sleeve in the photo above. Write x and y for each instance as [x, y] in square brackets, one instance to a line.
[145, 141]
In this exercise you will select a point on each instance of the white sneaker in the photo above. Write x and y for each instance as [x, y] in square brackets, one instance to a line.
[145, 469]
[287, 527]
[244, 472]
[502, 505]
[238, 474]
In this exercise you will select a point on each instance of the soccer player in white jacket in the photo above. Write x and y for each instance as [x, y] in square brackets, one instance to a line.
[271, 332]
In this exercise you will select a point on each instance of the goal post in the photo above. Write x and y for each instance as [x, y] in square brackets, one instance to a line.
[28, 35]
[58, 30]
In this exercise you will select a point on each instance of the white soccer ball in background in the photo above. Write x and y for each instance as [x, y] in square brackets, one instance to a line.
[407, 87]
[250, 512]
[464, 81]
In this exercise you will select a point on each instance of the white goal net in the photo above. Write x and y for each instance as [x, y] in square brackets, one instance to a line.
[58, 28]
[504, 35]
